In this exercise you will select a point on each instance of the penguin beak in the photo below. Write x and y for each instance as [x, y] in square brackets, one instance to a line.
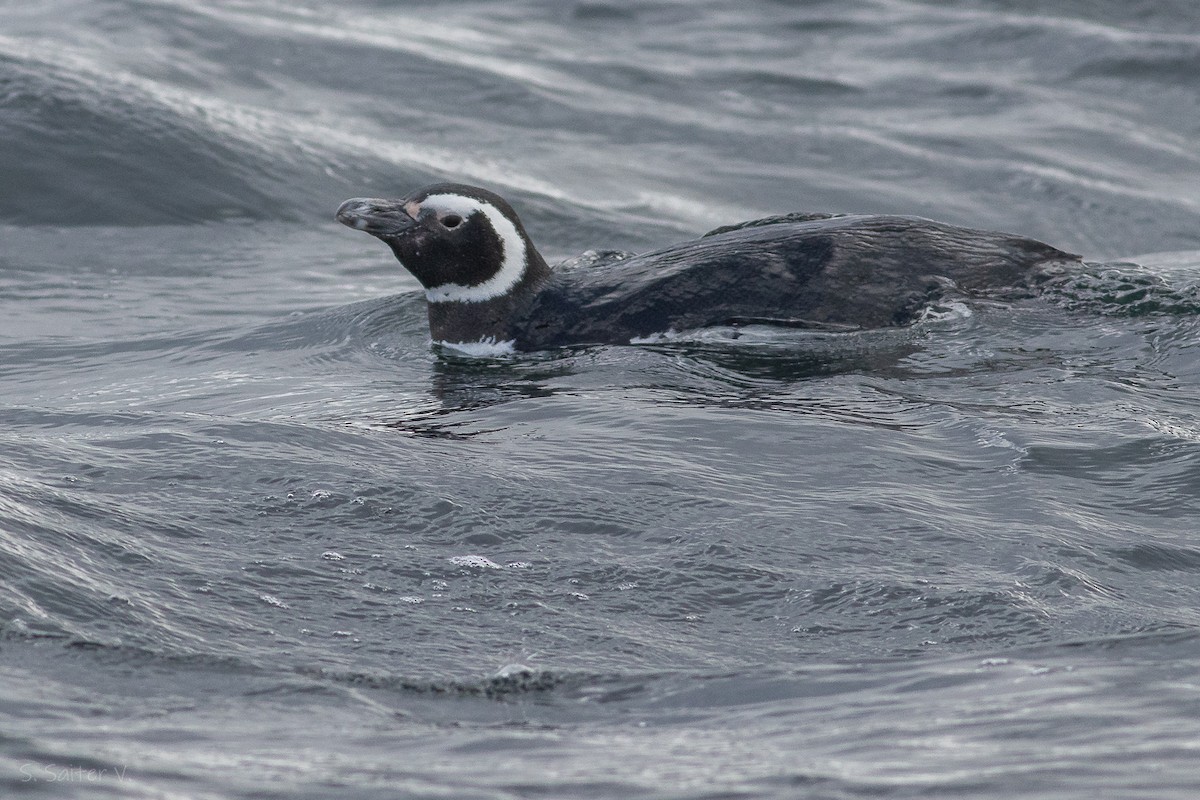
[382, 218]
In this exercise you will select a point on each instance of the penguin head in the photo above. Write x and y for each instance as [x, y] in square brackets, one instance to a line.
[464, 244]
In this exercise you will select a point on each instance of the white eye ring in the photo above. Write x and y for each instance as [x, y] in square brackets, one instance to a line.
[452, 220]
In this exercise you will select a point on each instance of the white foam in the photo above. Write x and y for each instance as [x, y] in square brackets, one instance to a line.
[478, 562]
[513, 258]
[669, 335]
[946, 311]
[764, 335]
[484, 348]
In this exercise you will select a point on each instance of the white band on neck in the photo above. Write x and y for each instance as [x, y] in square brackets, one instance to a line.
[513, 258]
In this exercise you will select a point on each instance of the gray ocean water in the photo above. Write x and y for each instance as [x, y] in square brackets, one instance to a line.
[260, 539]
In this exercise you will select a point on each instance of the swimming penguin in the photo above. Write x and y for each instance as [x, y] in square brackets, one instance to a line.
[486, 283]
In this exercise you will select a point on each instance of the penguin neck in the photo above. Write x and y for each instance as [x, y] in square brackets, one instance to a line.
[489, 320]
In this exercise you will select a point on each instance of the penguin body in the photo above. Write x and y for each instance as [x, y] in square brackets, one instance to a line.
[486, 282]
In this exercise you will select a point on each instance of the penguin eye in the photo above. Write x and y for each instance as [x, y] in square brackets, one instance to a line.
[451, 220]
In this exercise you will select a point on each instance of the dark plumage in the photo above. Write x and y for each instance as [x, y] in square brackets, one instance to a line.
[486, 282]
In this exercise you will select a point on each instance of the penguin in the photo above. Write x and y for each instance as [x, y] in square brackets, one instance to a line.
[489, 289]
